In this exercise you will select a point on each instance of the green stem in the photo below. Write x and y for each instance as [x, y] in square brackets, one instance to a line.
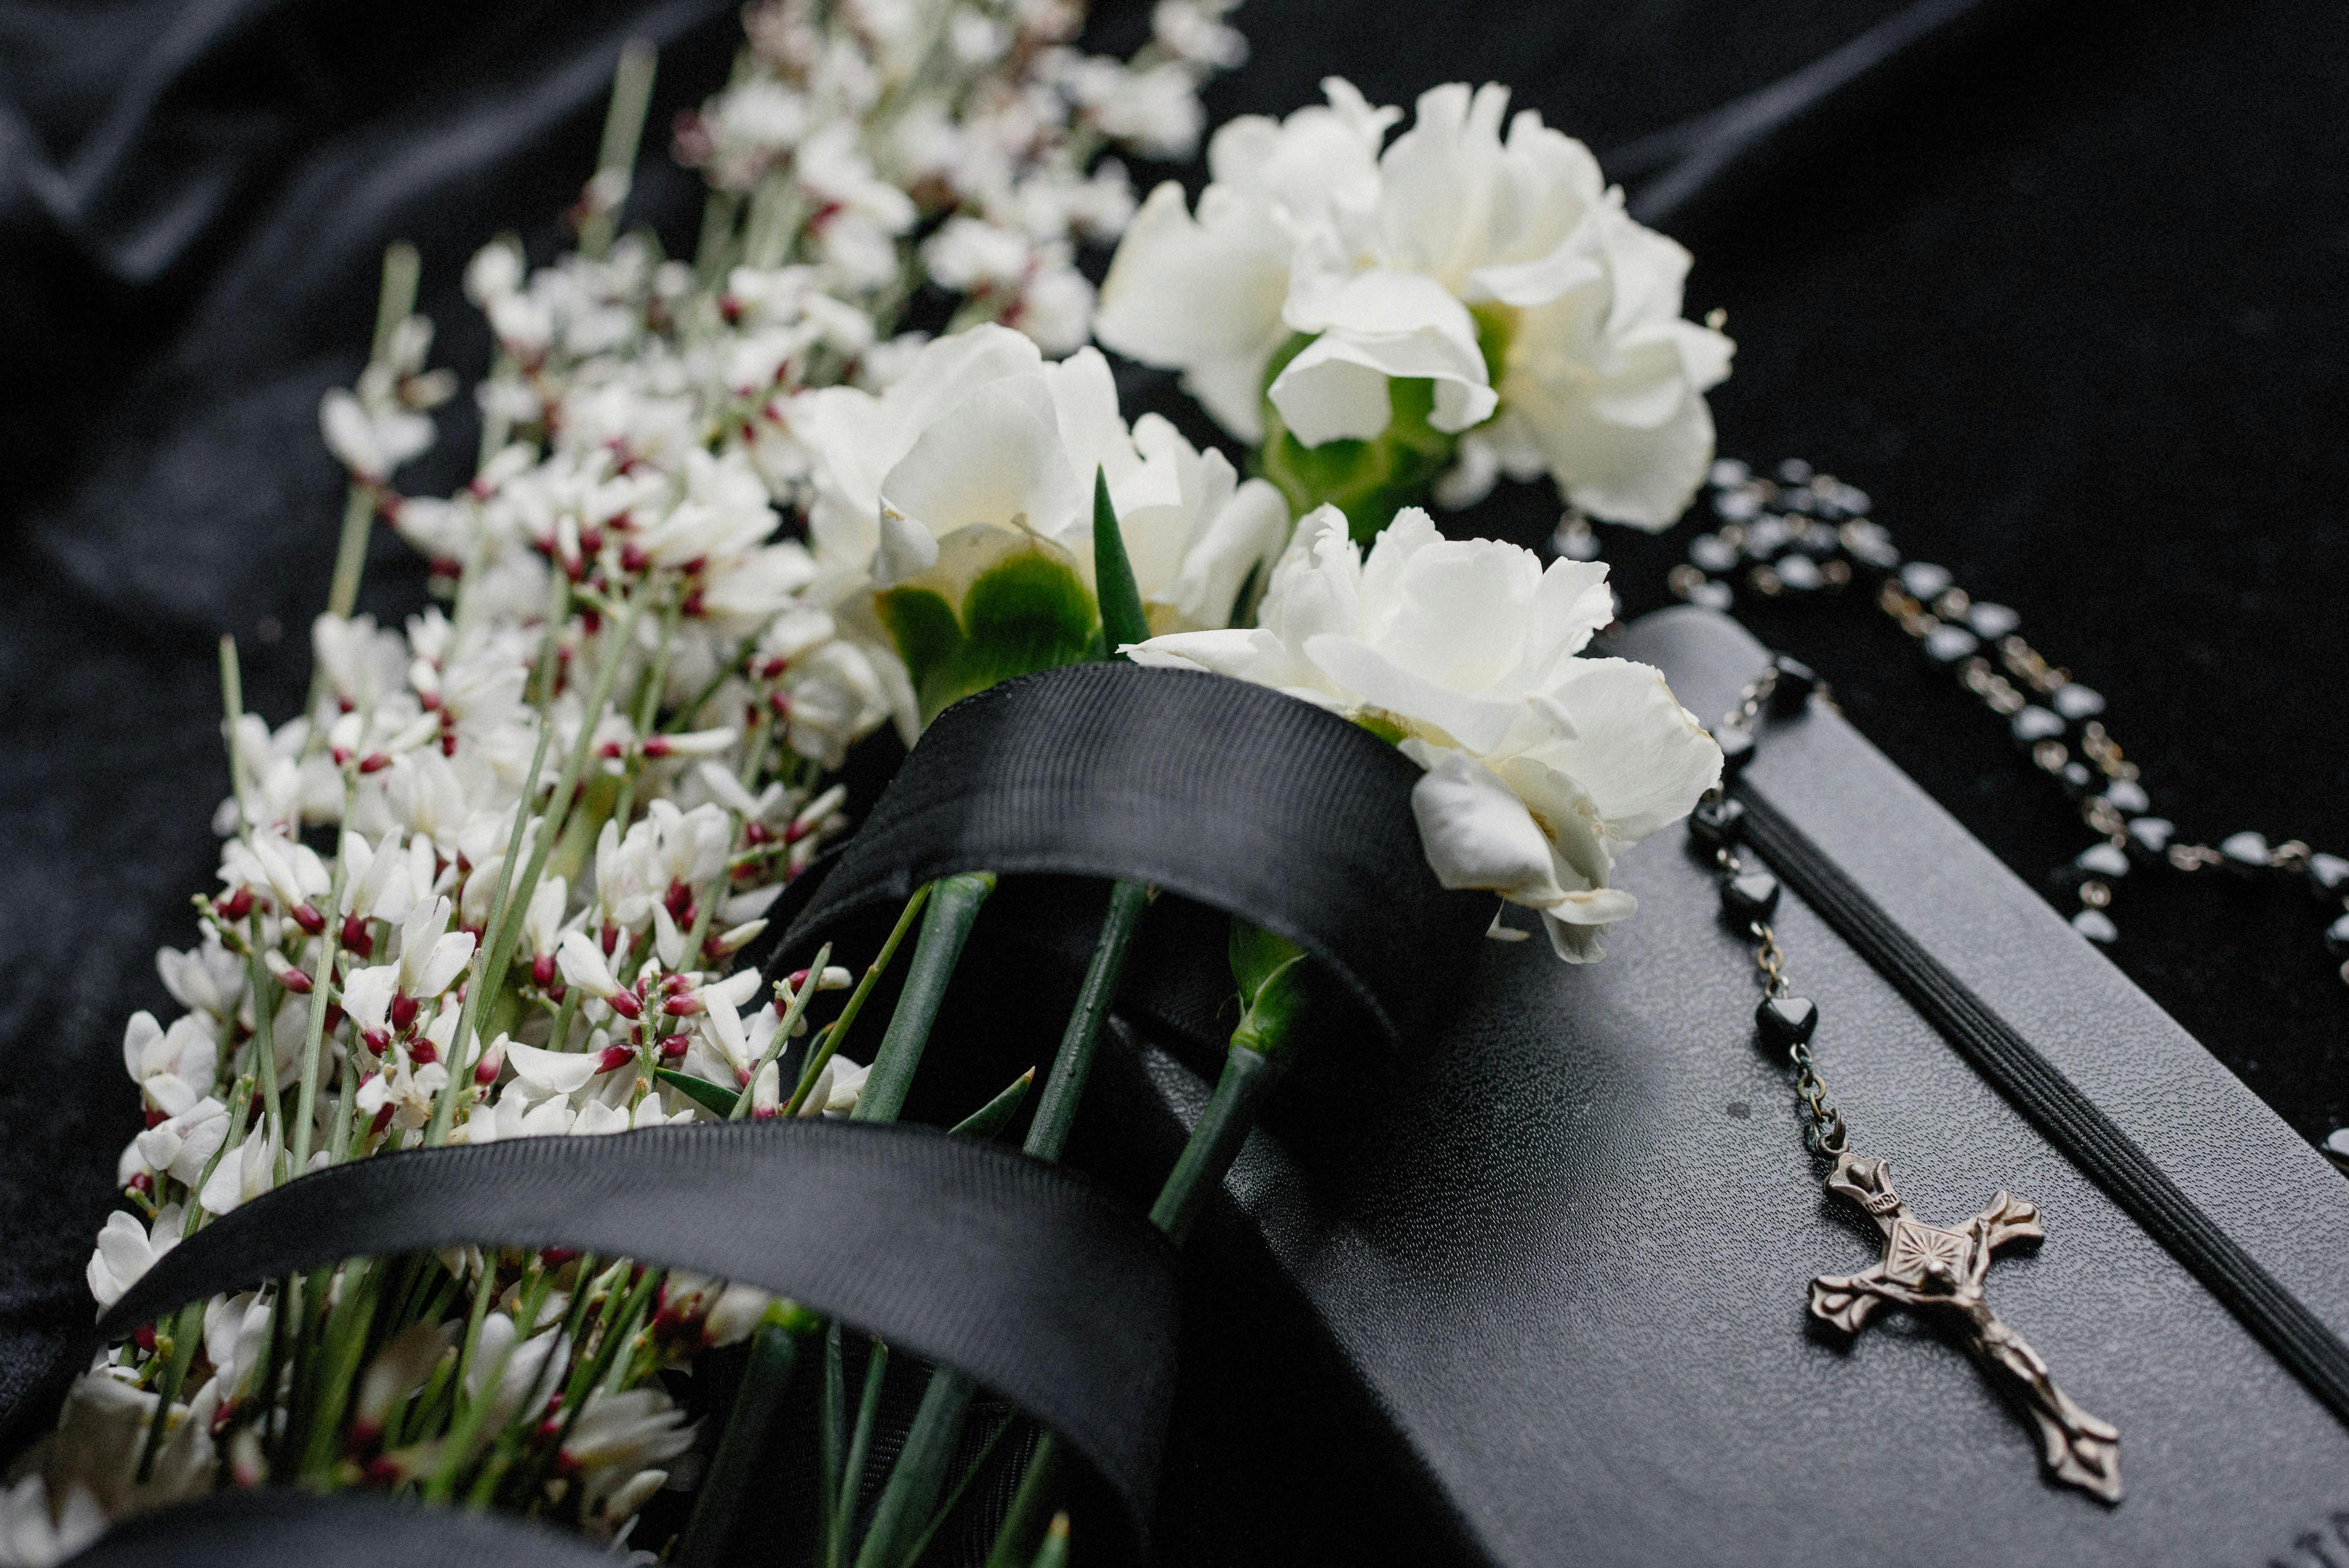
[955, 903]
[1215, 1141]
[1056, 1107]
[623, 130]
[734, 1469]
[851, 1487]
[919, 1474]
[791, 1012]
[837, 1030]
[1031, 1506]
[306, 1104]
[961, 1489]
[185, 1335]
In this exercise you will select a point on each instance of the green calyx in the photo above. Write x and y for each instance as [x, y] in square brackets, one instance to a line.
[1370, 480]
[1027, 612]
[1274, 979]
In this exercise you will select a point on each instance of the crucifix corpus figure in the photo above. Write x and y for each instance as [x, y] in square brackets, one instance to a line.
[1930, 1268]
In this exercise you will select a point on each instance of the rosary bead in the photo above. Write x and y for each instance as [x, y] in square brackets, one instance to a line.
[1765, 537]
[1786, 1019]
[1736, 751]
[1712, 552]
[2149, 836]
[2096, 926]
[1796, 682]
[2245, 851]
[1751, 897]
[2102, 861]
[2127, 796]
[2336, 938]
[1992, 622]
[1869, 543]
[2076, 702]
[1709, 595]
[1924, 581]
[2328, 875]
[2032, 725]
[1798, 574]
[1717, 821]
[2078, 780]
[1949, 644]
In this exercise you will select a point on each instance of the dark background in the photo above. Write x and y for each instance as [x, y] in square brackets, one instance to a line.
[2061, 291]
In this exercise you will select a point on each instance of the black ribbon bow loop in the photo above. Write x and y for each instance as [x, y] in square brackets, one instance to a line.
[1027, 1278]
[1230, 795]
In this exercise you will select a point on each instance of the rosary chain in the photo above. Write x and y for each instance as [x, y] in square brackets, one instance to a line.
[1802, 533]
[1751, 897]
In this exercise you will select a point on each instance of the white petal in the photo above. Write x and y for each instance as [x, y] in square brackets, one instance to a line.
[444, 964]
[1478, 834]
[1375, 325]
[551, 1072]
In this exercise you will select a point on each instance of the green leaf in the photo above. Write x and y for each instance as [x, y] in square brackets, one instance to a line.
[1122, 619]
[989, 1118]
[713, 1097]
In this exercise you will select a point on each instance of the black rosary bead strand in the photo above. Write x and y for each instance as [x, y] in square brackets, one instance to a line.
[1749, 897]
[1798, 532]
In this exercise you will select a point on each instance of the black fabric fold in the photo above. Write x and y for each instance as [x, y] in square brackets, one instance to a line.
[284, 1528]
[1027, 1278]
[1226, 794]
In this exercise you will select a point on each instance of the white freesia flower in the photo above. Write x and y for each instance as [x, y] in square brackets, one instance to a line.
[1543, 765]
[1453, 249]
[984, 443]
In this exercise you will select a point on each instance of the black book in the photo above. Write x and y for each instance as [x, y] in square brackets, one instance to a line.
[1535, 1290]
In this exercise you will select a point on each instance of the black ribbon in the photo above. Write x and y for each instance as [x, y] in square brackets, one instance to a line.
[282, 1528]
[1230, 795]
[1027, 1278]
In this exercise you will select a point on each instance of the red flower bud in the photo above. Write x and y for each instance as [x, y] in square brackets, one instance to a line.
[306, 915]
[382, 1120]
[374, 763]
[485, 1072]
[236, 906]
[142, 1182]
[155, 1118]
[356, 937]
[633, 557]
[541, 971]
[422, 1052]
[145, 1337]
[614, 1058]
[625, 1004]
[756, 833]
[673, 1048]
[403, 1010]
[295, 981]
[657, 747]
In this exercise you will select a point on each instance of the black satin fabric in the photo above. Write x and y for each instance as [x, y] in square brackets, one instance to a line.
[2065, 302]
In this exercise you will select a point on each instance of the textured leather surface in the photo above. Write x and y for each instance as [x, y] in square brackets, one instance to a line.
[1561, 1251]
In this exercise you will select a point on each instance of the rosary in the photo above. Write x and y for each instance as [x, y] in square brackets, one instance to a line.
[1926, 1268]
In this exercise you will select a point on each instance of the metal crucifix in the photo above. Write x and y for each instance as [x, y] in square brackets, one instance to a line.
[1928, 1268]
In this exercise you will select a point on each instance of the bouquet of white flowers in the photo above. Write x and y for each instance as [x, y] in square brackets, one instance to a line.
[498, 877]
